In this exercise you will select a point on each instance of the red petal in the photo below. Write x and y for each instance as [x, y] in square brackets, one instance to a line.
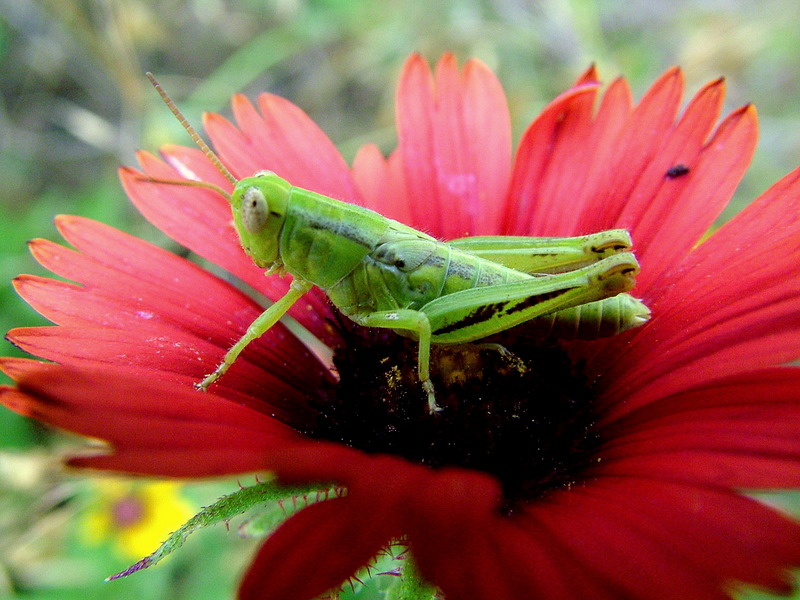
[381, 183]
[739, 433]
[590, 75]
[549, 169]
[654, 540]
[679, 214]
[285, 140]
[449, 519]
[178, 462]
[326, 461]
[193, 164]
[151, 295]
[655, 194]
[280, 392]
[602, 144]
[196, 218]
[314, 551]
[133, 283]
[337, 536]
[639, 141]
[729, 308]
[466, 547]
[234, 145]
[536, 567]
[153, 419]
[445, 128]
[85, 345]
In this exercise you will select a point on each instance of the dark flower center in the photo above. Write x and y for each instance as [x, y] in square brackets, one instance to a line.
[526, 418]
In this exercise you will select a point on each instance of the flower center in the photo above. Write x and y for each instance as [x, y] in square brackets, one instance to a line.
[128, 511]
[525, 416]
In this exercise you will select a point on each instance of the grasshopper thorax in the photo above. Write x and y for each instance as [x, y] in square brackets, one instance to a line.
[259, 205]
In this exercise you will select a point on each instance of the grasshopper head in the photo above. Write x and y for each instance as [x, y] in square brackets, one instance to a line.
[259, 206]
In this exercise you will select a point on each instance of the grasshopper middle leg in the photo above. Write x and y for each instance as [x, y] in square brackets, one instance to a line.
[418, 323]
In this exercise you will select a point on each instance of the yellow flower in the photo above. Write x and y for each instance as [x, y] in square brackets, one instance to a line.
[134, 516]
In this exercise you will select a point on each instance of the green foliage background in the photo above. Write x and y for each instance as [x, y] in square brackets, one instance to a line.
[74, 105]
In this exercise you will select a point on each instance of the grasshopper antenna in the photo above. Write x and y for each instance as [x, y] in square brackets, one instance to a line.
[191, 131]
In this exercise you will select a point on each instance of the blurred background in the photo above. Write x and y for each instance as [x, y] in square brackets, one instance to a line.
[74, 105]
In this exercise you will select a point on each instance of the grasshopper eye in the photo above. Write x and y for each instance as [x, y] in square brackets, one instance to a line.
[254, 210]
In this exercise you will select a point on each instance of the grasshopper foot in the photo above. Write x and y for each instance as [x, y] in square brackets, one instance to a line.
[514, 360]
[207, 381]
[433, 408]
[218, 372]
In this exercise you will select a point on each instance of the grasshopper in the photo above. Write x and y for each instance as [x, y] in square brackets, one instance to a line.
[381, 273]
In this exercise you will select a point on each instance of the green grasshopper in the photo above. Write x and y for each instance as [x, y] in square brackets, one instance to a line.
[381, 273]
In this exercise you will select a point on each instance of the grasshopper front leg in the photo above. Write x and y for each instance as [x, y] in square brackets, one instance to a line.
[258, 328]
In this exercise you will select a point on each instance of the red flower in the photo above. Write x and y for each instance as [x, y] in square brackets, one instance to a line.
[623, 477]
